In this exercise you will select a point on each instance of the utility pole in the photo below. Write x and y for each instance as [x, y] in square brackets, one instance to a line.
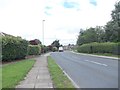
[43, 30]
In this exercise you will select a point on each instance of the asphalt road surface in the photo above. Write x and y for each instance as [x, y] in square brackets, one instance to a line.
[88, 71]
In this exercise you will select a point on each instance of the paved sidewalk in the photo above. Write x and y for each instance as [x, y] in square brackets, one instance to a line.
[39, 76]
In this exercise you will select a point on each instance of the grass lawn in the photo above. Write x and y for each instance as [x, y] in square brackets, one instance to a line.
[0, 77]
[60, 80]
[13, 73]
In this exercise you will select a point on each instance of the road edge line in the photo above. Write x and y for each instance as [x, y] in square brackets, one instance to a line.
[76, 86]
[115, 58]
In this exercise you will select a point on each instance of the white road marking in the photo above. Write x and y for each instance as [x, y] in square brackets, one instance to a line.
[96, 63]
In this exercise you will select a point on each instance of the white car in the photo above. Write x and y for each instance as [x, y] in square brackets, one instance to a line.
[60, 49]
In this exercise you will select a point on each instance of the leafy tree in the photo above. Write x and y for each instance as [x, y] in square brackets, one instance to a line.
[100, 34]
[56, 44]
[110, 32]
[91, 35]
[112, 28]
[116, 13]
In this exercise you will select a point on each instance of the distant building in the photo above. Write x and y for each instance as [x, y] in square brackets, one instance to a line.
[65, 47]
[35, 42]
[69, 47]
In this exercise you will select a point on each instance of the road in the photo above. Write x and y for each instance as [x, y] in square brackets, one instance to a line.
[88, 71]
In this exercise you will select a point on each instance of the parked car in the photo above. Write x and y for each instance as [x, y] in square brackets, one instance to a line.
[60, 49]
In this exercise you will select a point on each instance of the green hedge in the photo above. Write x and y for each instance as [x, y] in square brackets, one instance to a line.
[13, 48]
[44, 49]
[34, 50]
[108, 47]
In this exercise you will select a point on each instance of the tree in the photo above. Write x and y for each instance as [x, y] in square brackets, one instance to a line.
[91, 35]
[112, 28]
[100, 34]
[116, 13]
[56, 44]
[111, 32]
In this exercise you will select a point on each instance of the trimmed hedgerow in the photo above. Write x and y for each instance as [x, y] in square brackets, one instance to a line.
[34, 50]
[13, 48]
[107, 47]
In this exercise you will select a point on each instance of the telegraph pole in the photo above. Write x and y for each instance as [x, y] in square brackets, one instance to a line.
[43, 29]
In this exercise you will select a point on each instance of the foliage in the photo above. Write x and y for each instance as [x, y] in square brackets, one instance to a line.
[54, 49]
[44, 49]
[34, 50]
[58, 77]
[111, 32]
[13, 48]
[56, 44]
[95, 47]
[108, 33]
[112, 28]
[91, 35]
[13, 73]
[116, 13]
[0, 47]
[50, 47]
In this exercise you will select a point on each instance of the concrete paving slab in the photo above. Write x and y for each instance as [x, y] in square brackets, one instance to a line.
[45, 73]
[41, 76]
[26, 86]
[38, 77]
[44, 85]
[43, 81]
[28, 82]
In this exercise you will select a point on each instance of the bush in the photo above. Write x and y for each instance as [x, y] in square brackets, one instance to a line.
[44, 49]
[13, 48]
[108, 47]
[54, 49]
[34, 50]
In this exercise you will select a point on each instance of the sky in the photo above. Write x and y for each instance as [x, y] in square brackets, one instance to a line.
[63, 18]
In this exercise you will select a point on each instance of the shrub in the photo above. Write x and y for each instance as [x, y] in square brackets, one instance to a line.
[44, 49]
[13, 48]
[54, 49]
[34, 50]
[108, 47]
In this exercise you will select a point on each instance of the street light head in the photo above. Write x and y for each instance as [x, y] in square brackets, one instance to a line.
[43, 20]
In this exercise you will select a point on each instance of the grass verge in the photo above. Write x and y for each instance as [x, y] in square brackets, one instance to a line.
[0, 76]
[13, 73]
[101, 54]
[107, 54]
[60, 80]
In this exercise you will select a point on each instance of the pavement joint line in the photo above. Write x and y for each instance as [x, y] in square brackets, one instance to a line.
[97, 63]
[115, 58]
[76, 86]
[37, 76]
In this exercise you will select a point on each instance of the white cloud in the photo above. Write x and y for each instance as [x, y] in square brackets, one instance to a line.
[24, 18]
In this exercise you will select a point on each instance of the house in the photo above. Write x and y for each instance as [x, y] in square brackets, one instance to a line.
[35, 42]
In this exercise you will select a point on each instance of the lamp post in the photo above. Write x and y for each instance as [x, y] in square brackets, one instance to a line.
[43, 30]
